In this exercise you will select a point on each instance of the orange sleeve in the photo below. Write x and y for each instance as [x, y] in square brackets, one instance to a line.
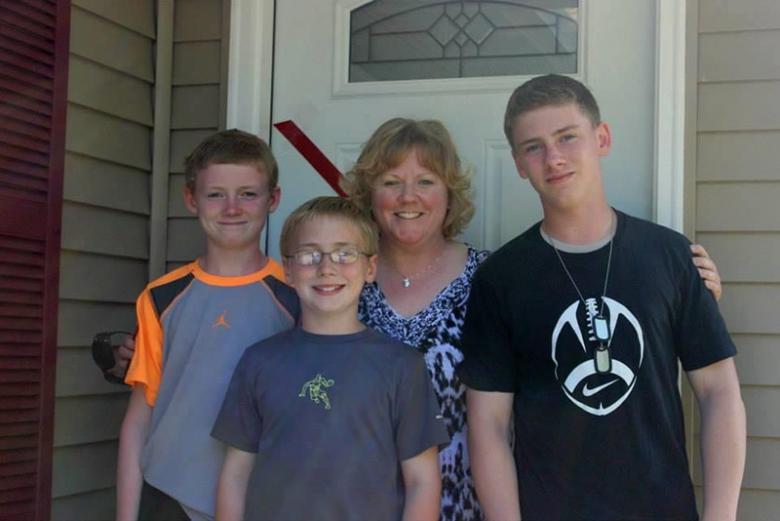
[146, 364]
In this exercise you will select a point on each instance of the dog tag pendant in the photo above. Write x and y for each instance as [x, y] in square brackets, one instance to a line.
[601, 328]
[602, 360]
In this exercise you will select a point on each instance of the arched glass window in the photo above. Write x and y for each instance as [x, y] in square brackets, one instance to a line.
[425, 39]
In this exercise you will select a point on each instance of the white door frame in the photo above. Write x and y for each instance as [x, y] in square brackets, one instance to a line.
[250, 82]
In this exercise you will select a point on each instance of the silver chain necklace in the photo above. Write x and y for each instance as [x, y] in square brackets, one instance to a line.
[601, 357]
[406, 282]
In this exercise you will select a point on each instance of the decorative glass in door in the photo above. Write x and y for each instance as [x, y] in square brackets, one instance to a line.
[427, 39]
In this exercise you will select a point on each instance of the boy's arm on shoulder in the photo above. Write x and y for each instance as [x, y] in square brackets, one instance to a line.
[132, 437]
[231, 489]
[492, 463]
[723, 437]
[422, 483]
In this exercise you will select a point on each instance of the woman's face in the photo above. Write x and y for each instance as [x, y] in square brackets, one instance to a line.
[409, 202]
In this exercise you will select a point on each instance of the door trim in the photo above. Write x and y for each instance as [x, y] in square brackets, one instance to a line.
[250, 66]
[669, 142]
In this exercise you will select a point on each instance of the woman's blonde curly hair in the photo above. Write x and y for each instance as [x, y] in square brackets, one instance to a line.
[389, 145]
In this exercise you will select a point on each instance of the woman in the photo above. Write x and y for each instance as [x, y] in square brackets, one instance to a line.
[410, 178]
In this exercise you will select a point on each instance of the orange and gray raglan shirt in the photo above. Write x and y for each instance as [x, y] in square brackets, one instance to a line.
[193, 328]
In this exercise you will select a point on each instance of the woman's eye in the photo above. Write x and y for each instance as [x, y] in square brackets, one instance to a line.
[427, 181]
[390, 182]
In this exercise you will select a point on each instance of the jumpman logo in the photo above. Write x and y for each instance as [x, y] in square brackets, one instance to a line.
[316, 390]
[221, 321]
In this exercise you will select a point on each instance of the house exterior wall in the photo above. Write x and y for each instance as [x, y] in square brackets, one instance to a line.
[107, 194]
[733, 205]
[104, 238]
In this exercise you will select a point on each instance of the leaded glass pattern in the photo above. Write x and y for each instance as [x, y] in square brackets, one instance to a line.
[425, 39]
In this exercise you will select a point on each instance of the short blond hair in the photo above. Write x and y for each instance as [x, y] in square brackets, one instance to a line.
[234, 147]
[389, 145]
[329, 206]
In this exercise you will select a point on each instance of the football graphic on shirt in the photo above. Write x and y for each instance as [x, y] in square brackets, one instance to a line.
[574, 343]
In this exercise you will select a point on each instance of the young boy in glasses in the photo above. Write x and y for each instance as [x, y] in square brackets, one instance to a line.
[338, 421]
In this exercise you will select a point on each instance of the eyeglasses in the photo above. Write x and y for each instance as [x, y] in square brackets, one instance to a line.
[344, 255]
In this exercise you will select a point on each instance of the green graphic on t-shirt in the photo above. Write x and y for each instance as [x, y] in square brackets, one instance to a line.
[316, 387]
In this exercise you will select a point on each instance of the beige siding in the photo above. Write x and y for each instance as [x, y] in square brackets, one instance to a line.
[111, 44]
[747, 15]
[106, 212]
[105, 238]
[97, 505]
[90, 467]
[739, 207]
[723, 55]
[95, 182]
[763, 263]
[195, 107]
[176, 206]
[137, 15]
[102, 87]
[739, 106]
[738, 156]
[734, 197]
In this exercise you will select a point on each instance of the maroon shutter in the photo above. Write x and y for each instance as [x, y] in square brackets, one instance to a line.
[33, 92]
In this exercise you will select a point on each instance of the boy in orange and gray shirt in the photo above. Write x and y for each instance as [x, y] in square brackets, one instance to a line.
[193, 326]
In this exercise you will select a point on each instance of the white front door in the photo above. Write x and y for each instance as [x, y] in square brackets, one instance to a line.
[617, 57]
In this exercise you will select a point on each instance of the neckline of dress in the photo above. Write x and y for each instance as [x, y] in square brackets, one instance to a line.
[471, 259]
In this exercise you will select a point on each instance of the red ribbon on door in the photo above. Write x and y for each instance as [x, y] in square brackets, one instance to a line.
[312, 154]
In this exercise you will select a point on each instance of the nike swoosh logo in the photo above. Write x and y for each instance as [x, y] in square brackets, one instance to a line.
[586, 391]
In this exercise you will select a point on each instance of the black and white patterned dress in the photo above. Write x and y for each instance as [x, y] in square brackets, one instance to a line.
[436, 332]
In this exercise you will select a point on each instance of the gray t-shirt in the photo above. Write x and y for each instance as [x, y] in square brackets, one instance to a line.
[331, 418]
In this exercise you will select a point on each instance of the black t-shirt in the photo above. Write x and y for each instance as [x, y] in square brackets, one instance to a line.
[331, 418]
[595, 445]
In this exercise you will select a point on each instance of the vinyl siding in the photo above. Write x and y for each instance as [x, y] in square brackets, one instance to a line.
[735, 214]
[105, 239]
[106, 212]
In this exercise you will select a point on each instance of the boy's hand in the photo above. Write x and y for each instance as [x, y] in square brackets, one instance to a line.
[122, 355]
[707, 270]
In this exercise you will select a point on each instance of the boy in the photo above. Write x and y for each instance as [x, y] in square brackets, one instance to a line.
[341, 420]
[577, 326]
[193, 325]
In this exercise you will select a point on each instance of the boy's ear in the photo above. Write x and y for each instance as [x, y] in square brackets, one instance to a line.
[275, 195]
[189, 200]
[286, 264]
[371, 270]
[604, 136]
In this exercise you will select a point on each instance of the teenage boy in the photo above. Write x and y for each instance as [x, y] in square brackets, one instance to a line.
[193, 326]
[339, 421]
[576, 327]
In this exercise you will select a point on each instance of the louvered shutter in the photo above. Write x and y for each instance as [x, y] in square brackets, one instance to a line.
[33, 91]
